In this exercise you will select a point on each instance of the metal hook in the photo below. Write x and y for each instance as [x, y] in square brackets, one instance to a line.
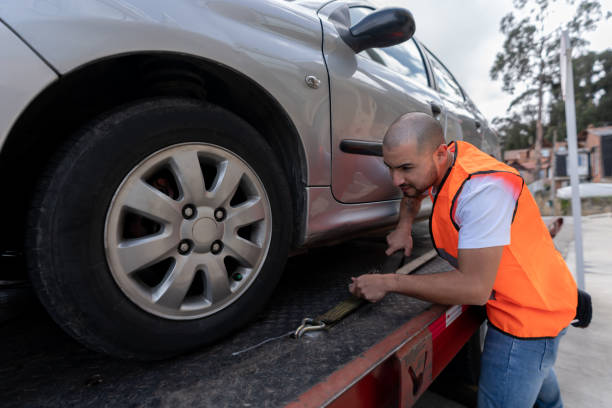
[307, 325]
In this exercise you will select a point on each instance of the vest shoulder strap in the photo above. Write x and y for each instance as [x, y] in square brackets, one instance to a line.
[472, 162]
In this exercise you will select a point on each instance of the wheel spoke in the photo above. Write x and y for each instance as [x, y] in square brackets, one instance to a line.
[226, 183]
[146, 200]
[244, 251]
[217, 282]
[194, 283]
[246, 214]
[186, 166]
[172, 290]
[139, 253]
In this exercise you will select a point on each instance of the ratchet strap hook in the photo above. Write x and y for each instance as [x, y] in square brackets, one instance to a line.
[307, 325]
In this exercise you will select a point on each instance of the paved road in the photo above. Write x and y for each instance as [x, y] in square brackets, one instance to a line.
[584, 362]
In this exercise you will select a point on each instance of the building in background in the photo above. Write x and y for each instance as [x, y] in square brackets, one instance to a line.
[524, 161]
[598, 141]
[594, 158]
[561, 164]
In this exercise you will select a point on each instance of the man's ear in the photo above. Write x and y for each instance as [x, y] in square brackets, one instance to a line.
[440, 153]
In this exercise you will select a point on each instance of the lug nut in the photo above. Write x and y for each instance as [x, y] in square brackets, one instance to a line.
[184, 247]
[188, 211]
[237, 276]
[219, 214]
[216, 247]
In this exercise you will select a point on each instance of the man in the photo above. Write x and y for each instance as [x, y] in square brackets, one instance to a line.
[486, 224]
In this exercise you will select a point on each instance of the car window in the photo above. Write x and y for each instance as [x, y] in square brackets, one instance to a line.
[444, 79]
[404, 58]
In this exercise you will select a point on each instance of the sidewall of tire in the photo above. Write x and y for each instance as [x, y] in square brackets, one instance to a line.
[67, 258]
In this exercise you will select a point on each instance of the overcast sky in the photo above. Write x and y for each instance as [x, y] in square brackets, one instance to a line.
[465, 35]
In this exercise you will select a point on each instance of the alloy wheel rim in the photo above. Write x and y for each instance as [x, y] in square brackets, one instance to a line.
[187, 231]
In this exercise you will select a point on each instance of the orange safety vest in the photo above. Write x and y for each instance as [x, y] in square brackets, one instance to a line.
[534, 294]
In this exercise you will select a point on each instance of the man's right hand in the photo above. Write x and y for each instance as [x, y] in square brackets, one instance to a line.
[400, 238]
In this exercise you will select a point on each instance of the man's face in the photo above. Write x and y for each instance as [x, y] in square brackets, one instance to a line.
[412, 171]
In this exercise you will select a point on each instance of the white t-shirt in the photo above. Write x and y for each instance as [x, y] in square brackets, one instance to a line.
[485, 207]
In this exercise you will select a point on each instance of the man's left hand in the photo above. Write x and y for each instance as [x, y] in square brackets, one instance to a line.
[370, 287]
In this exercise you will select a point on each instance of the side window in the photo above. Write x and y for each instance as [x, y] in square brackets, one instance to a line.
[404, 58]
[446, 83]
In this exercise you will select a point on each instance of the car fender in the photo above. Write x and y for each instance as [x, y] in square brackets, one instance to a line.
[22, 76]
[276, 47]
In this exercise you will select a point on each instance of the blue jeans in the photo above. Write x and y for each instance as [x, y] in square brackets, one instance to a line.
[518, 373]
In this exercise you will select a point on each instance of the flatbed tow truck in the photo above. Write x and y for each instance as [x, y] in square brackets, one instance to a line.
[381, 355]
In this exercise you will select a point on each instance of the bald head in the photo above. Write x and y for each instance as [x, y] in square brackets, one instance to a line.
[415, 127]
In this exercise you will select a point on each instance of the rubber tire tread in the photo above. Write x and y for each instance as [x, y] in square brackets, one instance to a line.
[68, 285]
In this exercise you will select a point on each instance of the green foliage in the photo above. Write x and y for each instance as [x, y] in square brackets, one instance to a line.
[530, 55]
[593, 93]
[566, 207]
[529, 63]
[515, 131]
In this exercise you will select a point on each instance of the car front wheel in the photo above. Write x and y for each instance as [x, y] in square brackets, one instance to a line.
[159, 227]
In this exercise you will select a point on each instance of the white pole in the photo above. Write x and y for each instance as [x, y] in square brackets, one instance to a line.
[553, 169]
[572, 143]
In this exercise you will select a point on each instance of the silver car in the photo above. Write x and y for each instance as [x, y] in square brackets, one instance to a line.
[161, 160]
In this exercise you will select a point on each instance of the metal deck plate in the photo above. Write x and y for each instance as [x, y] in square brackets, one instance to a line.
[41, 366]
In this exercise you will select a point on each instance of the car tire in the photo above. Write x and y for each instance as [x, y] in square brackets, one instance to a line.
[117, 186]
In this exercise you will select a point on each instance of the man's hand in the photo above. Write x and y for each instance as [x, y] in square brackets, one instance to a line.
[370, 287]
[400, 238]
[471, 284]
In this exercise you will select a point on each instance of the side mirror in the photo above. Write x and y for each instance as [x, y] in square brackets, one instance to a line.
[382, 28]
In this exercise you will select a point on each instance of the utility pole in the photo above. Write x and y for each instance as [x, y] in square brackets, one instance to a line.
[553, 164]
[567, 87]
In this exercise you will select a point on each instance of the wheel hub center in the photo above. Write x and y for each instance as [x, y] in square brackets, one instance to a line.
[205, 231]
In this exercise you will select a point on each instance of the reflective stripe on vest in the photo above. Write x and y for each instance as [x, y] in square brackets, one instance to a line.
[535, 294]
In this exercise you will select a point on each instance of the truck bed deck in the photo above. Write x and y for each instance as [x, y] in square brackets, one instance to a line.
[41, 366]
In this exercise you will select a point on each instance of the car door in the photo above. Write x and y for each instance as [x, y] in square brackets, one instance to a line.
[490, 140]
[369, 91]
[461, 124]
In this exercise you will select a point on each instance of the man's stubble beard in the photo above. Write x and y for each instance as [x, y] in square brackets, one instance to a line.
[432, 176]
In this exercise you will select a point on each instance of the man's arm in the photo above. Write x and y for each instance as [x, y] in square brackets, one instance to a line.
[401, 237]
[471, 284]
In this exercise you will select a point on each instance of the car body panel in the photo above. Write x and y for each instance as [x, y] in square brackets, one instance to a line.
[276, 47]
[331, 221]
[22, 76]
[366, 97]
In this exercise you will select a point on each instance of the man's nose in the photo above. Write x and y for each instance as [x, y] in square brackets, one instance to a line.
[397, 179]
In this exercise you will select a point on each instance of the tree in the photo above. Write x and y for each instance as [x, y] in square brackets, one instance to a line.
[530, 55]
[593, 93]
[514, 131]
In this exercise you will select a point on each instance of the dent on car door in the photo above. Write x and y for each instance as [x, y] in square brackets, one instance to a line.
[369, 90]
[461, 123]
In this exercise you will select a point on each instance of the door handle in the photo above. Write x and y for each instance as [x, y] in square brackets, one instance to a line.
[435, 109]
[477, 123]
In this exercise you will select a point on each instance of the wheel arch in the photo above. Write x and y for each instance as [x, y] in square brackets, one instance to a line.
[99, 86]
